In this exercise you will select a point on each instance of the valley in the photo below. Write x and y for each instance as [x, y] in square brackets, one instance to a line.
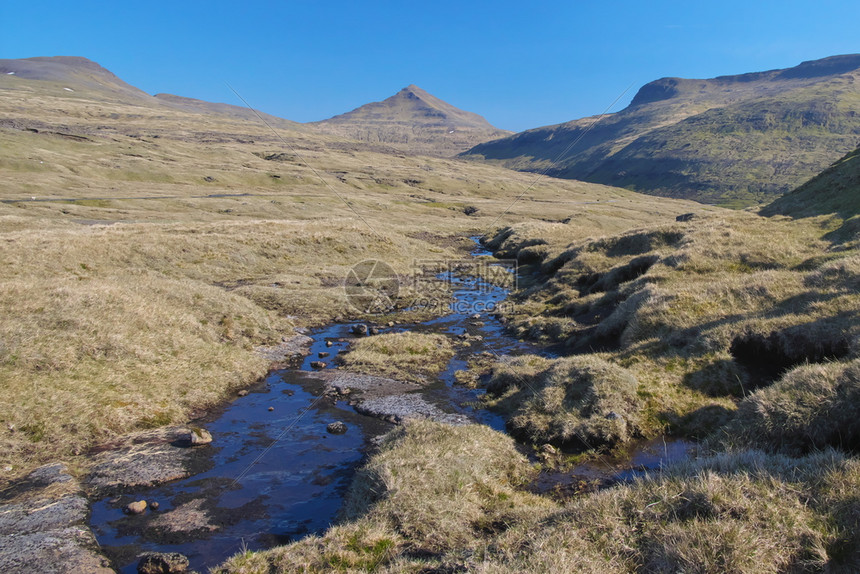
[171, 264]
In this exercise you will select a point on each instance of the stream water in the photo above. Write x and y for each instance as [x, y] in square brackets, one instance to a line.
[276, 474]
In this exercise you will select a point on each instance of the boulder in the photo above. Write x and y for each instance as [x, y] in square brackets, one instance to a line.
[336, 427]
[136, 507]
[199, 436]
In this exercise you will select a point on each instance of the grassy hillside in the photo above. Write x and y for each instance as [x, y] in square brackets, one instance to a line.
[147, 249]
[733, 140]
[835, 192]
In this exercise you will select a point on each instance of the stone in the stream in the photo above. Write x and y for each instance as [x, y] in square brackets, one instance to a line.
[360, 329]
[318, 364]
[323, 354]
[328, 343]
[154, 505]
[136, 507]
[374, 331]
[336, 427]
[475, 316]
[199, 436]
[271, 409]
[162, 563]
[391, 323]
[243, 393]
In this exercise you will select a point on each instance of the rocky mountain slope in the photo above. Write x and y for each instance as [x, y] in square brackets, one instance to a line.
[415, 121]
[732, 140]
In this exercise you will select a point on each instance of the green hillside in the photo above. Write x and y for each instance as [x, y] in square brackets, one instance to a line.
[732, 140]
[834, 191]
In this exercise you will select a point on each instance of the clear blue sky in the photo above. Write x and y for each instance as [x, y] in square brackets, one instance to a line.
[518, 65]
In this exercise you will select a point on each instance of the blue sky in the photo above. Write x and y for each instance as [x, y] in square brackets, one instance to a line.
[519, 65]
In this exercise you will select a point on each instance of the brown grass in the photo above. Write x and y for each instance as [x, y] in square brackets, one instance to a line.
[700, 311]
[407, 356]
[583, 402]
[810, 408]
[438, 498]
[163, 246]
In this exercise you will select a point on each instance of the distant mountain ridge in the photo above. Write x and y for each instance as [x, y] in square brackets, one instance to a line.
[83, 77]
[411, 121]
[81, 73]
[416, 121]
[732, 139]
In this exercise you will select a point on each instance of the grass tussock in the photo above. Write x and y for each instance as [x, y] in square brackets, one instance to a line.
[811, 407]
[578, 402]
[406, 356]
[742, 513]
[702, 311]
[437, 498]
[431, 490]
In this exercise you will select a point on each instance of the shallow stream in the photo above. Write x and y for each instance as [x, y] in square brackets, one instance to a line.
[274, 472]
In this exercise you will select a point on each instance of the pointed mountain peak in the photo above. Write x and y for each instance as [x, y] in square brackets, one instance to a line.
[414, 90]
[415, 120]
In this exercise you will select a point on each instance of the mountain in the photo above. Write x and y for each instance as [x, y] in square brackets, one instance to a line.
[78, 77]
[732, 140]
[415, 121]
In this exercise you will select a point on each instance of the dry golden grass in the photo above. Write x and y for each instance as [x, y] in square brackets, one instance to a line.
[700, 312]
[165, 244]
[578, 402]
[739, 513]
[438, 498]
[109, 329]
[810, 408]
[408, 356]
